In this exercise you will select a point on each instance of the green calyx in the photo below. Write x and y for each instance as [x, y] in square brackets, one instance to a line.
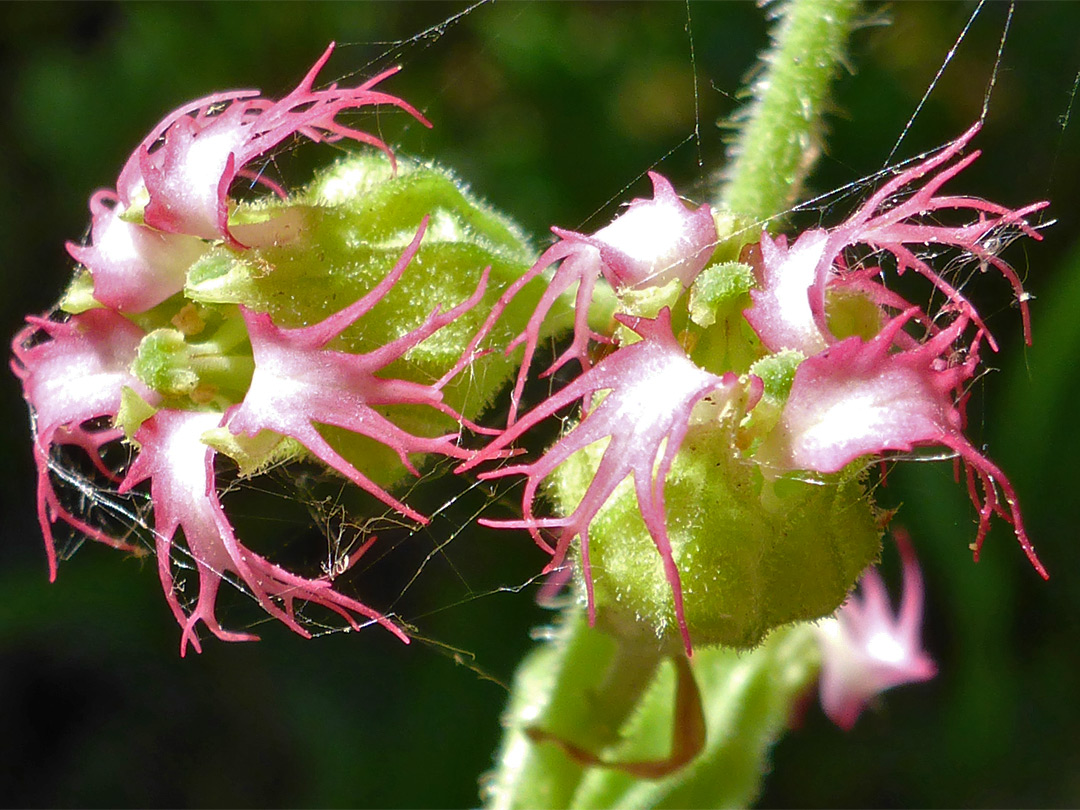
[755, 548]
[351, 225]
[753, 552]
[317, 252]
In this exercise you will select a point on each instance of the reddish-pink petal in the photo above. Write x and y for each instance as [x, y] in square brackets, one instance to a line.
[657, 240]
[653, 242]
[860, 398]
[75, 375]
[133, 267]
[189, 163]
[653, 388]
[184, 495]
[789, 309]
[866, 649]
[298, 384]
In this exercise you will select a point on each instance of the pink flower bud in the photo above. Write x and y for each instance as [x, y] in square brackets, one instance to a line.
[865, 649]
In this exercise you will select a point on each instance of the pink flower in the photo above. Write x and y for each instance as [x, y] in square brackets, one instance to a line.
[70, 380]
[178, 180]
[184, 493]
[74, 379]
[865, 649]
[652, 243]
[789, 310]
[203, 147]
[298, 383]
[653, 387]
[134, 267]
[79, 373]
[856, 398]
[172, 195]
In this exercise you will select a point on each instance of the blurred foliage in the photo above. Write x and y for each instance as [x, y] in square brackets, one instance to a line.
[553, 112]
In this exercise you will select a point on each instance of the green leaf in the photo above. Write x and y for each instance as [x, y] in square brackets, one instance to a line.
[615, 700]
[747, 699]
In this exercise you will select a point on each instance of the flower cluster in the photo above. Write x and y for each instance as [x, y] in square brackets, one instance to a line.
[784, 375]
[124, 358]
[732, 395]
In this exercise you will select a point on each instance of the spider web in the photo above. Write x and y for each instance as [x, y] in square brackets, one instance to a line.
[434, 579]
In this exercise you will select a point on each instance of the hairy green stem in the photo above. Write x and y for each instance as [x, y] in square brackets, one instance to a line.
[580, 687]
[779, 139]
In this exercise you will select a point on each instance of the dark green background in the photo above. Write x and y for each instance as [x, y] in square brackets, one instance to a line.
[549, 111]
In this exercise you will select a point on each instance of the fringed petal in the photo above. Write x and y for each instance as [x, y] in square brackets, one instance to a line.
[133, 267]
[184, 496]
[299, 384]
[196, 153]
[860, 398]
[650, 244]
[653, 387]
[789, 309]
[75, 375]
[865, 649]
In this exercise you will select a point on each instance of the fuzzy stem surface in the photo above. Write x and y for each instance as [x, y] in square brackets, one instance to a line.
[779, 139]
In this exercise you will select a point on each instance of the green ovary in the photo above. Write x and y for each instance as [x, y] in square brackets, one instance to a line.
[752, 554]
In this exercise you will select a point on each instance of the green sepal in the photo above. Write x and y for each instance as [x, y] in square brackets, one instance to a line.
[389, 205]
[723, 340]
[734, 233]
[79, 296]
[133, 411]
[253, 454]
